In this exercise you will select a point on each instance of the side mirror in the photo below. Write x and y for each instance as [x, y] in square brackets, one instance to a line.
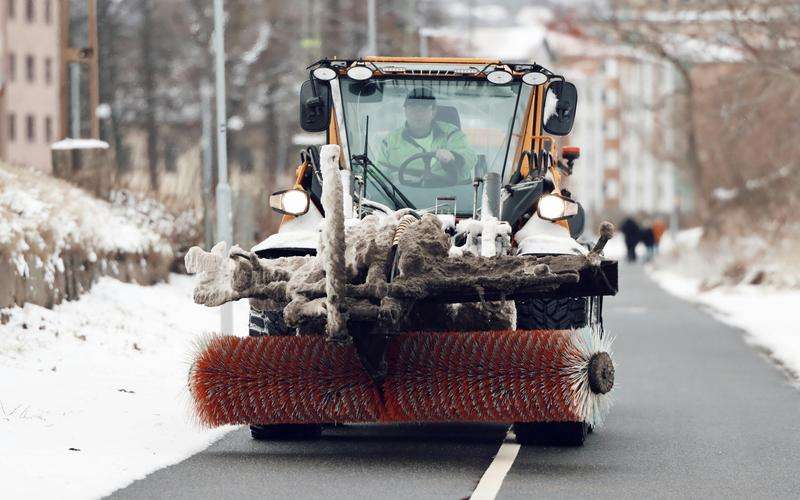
[560, 122]
[315, 106]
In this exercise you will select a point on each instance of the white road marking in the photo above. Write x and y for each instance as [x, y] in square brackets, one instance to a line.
[492, 480]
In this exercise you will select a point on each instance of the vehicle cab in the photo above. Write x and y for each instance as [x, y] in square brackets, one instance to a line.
[429, 134]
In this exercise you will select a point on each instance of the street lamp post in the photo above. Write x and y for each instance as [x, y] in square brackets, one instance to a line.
[224, 223]
[372, 38]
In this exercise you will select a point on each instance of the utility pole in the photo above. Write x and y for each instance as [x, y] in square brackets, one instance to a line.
[85, 57]
[372, 39]
[208, 161]
[224, 223]
[75, 101]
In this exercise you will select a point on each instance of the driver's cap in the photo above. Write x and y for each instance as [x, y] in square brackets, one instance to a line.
[420, 95]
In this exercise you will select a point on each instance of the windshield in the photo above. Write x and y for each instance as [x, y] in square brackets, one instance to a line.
[428, 137]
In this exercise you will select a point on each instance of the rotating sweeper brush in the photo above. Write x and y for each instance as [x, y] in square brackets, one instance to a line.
[499, 376]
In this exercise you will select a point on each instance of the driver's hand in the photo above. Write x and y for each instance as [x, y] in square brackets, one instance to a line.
[444, 156]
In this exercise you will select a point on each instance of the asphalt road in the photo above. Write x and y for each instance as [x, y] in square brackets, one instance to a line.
[698, 414]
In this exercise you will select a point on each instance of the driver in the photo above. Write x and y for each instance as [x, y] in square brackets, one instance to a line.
[454, 159]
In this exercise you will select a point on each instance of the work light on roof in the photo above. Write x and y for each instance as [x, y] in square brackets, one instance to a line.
[499, 77]
[359, 73]
[324, 73]
[534, 78]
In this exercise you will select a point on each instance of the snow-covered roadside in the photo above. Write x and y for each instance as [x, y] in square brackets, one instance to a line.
[93, 393]
[767, 315]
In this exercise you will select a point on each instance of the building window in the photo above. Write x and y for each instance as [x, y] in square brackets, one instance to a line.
[48, 129]
[30, 11]
[611, 128]
[11, 8]
[48, 11]
[611, 98]
[12, 67]
[30, 68]
[48, 70]
[611, 158]
[30, 126]
[12, 127]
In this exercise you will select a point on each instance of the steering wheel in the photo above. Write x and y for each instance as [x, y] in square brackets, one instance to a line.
[427, 178]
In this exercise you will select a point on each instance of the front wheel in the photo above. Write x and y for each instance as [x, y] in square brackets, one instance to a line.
[551, 433]
[552, 314]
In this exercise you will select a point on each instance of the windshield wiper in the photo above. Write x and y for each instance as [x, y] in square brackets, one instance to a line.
[379, 178]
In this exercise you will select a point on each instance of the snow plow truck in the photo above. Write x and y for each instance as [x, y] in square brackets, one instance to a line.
[429, 266]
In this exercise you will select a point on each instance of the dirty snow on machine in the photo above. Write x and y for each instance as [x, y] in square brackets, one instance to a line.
[427, 266]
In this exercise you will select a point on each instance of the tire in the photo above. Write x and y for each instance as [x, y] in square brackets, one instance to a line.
[285, 432]
[269, 322]
[565, 434]
[552, 314]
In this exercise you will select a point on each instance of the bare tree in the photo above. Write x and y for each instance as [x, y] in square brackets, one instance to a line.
[149, 88]
[732, 59]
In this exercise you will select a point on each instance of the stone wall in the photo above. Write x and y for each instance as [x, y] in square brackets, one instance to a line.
[50, 285]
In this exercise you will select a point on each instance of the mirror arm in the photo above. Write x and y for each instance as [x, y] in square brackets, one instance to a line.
[313, 83]
[565, 168]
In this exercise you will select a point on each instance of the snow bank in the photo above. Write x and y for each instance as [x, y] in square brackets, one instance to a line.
[93, 392]
[181, 229]
[36, 207]
[724, 261]
[766, 314]
[55, 239]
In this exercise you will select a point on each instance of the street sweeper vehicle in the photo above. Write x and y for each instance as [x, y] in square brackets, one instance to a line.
[427, 267]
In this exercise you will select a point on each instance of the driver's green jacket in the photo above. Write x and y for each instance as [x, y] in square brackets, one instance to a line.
[399, 145]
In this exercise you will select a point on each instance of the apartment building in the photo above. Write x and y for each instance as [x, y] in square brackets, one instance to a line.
[29, 79]
[624, 126]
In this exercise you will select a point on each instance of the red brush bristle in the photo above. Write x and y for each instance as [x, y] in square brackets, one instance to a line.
[251, 380]
[498, 376]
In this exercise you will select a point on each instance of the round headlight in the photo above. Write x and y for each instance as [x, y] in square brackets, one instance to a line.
[359, 73]
[291, 201]
[499, 77]
[534, 78]
[295, 201]
[551, 207]
[324, 73]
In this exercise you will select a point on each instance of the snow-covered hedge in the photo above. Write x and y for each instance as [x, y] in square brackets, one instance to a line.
[725, 260]
[180, 227]
[56, 239]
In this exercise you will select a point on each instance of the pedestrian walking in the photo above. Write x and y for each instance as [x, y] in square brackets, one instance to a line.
[633, 235]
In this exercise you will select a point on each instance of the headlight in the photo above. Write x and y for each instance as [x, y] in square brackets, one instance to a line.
[291, 202]
[554, 207]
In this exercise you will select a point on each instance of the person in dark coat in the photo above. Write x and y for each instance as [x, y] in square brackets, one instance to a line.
[633, 235]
